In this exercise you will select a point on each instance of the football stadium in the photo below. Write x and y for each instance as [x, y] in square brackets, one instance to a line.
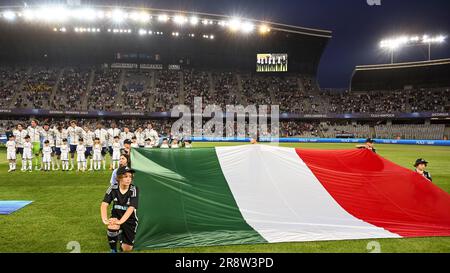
[211, 133]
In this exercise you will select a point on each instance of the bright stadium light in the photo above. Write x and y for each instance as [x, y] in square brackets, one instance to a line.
[119, 16]
[180, 19]
[29, 14]
[194, 20]
[263, 29]
[142, 32]
[440, 39]
[163, 18]
[426, 39]
[222, 23]
[87, 14]
[9, 15]
[142, 16]
[396, 43]
[247, 27]
[52, 14]
[100, 14]
[207, 22]
[234, 24]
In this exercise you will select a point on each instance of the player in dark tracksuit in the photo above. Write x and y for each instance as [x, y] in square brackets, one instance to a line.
[123, 223]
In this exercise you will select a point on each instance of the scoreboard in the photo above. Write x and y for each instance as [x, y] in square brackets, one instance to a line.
[270, 62]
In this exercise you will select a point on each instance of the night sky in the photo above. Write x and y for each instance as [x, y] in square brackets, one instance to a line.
[357, 27]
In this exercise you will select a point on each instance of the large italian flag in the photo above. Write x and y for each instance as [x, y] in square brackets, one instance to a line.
[266, 194]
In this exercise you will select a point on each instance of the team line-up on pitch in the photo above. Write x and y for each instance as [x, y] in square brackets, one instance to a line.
[56, 147]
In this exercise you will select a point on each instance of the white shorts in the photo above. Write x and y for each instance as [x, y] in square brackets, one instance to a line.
[97, 157]
[11, 155]
[46, 158]
[81, 158]
[27, 155]
[64, 156]
[116, 156]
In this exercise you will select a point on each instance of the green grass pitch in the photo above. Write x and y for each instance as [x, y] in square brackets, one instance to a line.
[66, 209]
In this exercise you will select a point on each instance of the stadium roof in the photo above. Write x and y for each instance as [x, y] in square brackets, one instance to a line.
[97, 33]
[145, 15]
[398, 76]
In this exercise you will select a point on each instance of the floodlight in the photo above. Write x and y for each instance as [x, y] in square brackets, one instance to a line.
[9, 15]
[119, 16]
[84, 14]
[194, 20]
[264, 29]
[28, 14]
[247, 27]
[142, 17]
[179, 19]
[234, 24]
[163, 18]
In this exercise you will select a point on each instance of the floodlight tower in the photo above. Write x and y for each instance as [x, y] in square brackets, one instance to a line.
[403, 41]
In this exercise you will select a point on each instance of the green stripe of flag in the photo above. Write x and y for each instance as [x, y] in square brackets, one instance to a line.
[186, 201]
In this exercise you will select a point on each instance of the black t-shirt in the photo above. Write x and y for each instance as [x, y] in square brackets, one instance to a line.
[121, 202]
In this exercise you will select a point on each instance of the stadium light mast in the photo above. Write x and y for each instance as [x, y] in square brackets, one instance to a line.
[403, 41]
[436, 40]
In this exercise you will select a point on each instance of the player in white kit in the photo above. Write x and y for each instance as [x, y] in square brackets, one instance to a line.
[140, 136]
[112, 133]
[47, 133]
[20, 133]
[102, 134]
[34, 131]
[47, 156]
[59, 133]
[116, 152]
[11, 153]
[97, 154]
[75, 133]
[148, 143]
[134, 142]
[150, 133]
[64, 155]
[81, 158]
[88, 137]
[27, 156]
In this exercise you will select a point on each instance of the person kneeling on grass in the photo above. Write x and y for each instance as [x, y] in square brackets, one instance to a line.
[123, 222]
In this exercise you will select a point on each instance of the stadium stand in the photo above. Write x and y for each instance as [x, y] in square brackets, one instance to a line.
[102, 95]
[410, 131]
[135, 90]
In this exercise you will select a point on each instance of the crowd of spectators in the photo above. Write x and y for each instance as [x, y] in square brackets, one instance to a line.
[160, 91]
[71, 89]
[196, 84]
[166, 91]
[104, 90]
[136, 90]
[38, 86]
[225, 87]
[10, 79]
